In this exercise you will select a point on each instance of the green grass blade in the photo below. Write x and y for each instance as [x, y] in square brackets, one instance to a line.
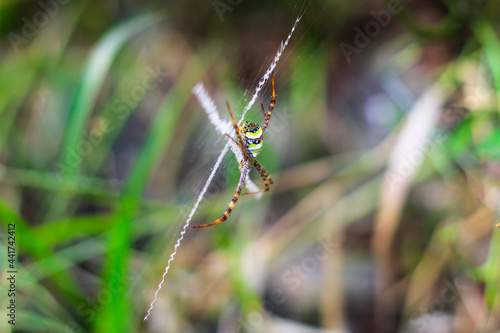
[92, 79]
[116, 313]
[27, 242]
[491, 46]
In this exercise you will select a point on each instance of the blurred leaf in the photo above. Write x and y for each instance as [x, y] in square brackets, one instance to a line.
[28, 321]
[37, 248]
[93, 76]
[491, 273]
[491, 47]
[61, 232]
[161, 133]
[489, 149]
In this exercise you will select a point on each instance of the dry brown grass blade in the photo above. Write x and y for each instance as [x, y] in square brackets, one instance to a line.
[402, 167]
[339, 167]
[438, 254]
[297, 218]
[403, 164]
[471, 313]
[332, 303]
[331, 191]
[274, 324]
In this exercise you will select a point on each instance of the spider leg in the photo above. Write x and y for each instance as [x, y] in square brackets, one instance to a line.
[236, 128]
[263, 111]
[243, 177]
[267, 116]
[265, 177]
[237, 143]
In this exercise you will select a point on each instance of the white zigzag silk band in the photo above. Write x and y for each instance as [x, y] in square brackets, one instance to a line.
[212, 112]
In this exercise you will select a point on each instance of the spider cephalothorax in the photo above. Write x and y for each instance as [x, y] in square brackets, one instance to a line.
[249, 137]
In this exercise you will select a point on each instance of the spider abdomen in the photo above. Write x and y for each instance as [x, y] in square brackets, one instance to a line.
[252, 134]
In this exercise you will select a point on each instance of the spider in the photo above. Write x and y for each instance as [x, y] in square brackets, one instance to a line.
[250, 142]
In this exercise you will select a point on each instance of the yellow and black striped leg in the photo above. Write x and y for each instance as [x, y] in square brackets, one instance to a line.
[267, 116]
[264, 112]
[243, 177]
[236, 128]
[265, 177]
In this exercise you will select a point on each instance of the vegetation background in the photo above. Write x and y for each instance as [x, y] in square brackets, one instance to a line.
[384, 146]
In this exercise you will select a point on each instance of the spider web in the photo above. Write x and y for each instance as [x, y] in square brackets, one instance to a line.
[223, 127]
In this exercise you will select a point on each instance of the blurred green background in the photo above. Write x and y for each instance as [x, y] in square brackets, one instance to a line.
[384, 146]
